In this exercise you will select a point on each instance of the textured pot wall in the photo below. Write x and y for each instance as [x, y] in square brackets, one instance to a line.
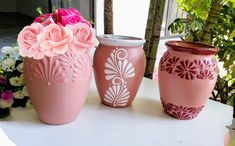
[186, 80]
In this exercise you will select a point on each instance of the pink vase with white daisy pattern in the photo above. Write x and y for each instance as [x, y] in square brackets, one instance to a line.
[187, 75]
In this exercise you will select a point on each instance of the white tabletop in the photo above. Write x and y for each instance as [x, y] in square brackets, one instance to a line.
[142, 124]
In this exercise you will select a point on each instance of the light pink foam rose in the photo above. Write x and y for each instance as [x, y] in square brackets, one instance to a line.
[55, 39]
[27, 40]
[84, 36]
[69, 17]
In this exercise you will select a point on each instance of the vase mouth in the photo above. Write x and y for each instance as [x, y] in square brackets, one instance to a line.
[120, 40]
[191, 47]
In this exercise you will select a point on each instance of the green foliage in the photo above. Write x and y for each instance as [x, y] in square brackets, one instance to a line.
[223, 37]
[191, 27]
[198, 8]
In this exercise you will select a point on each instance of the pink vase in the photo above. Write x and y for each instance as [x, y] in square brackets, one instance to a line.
[58, 85]
[187, 75]
[226, 139]
[119, 64]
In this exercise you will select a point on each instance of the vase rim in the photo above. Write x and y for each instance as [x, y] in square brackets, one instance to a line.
[191, 47]
[120, 40]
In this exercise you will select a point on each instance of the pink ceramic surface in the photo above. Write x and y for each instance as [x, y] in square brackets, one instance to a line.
[226, 139]
[187, 75]
[119, 64]
[58, 85]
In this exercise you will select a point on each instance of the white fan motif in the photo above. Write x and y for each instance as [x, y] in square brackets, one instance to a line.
[117, 69]
[117, 96]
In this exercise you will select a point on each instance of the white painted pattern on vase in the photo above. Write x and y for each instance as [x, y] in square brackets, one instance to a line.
[118, 69]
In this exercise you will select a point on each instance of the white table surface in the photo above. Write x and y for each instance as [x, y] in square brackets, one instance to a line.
[142, 124]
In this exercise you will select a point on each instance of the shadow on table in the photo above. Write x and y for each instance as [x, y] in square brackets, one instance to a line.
[93, 98]
[23, 116]
[148, 106]
[144, 106]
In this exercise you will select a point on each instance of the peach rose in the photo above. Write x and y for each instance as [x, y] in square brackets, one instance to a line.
[27, 40]
[55, 39]
[84, 36]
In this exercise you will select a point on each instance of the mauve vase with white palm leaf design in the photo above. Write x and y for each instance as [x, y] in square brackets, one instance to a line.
[187, 75]
[57, 64]
[119, 64]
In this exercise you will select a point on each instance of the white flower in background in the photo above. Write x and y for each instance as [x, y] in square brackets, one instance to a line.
[20, 67]
[4, 103]
[18, 94]
[10, 50]
[7, 50]
[16, 81]
[22, 79]
[8, 64]
[25, 91]
[29, 104]
[16, 49]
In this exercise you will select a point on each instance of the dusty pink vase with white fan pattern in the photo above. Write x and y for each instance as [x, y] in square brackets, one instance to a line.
[119, 64]
[58, 85]
[187, 75]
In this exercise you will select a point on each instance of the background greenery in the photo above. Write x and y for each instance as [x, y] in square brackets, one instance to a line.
[221, 35]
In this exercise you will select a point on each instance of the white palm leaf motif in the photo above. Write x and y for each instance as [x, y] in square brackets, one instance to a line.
[118, 69]
[111, 69]
[49, 70]
[116, 96]
[127, 69]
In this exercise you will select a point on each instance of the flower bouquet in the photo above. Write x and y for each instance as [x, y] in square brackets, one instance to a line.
[13, 92]
[57, 64]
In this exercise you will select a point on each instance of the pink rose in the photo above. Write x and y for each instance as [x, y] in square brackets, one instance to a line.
[27, 40]
[55, 39]
[84, 36]
[70, 16]
[3, 81]
[7, 96]
[42, 18]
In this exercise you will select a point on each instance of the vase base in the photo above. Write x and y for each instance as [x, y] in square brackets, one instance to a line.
[181, 112]
[115, 106]
[57, 122]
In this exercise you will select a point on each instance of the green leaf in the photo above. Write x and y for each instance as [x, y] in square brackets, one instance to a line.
[229, 62]
[231, 82]
[233, 71]
[232, 35]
